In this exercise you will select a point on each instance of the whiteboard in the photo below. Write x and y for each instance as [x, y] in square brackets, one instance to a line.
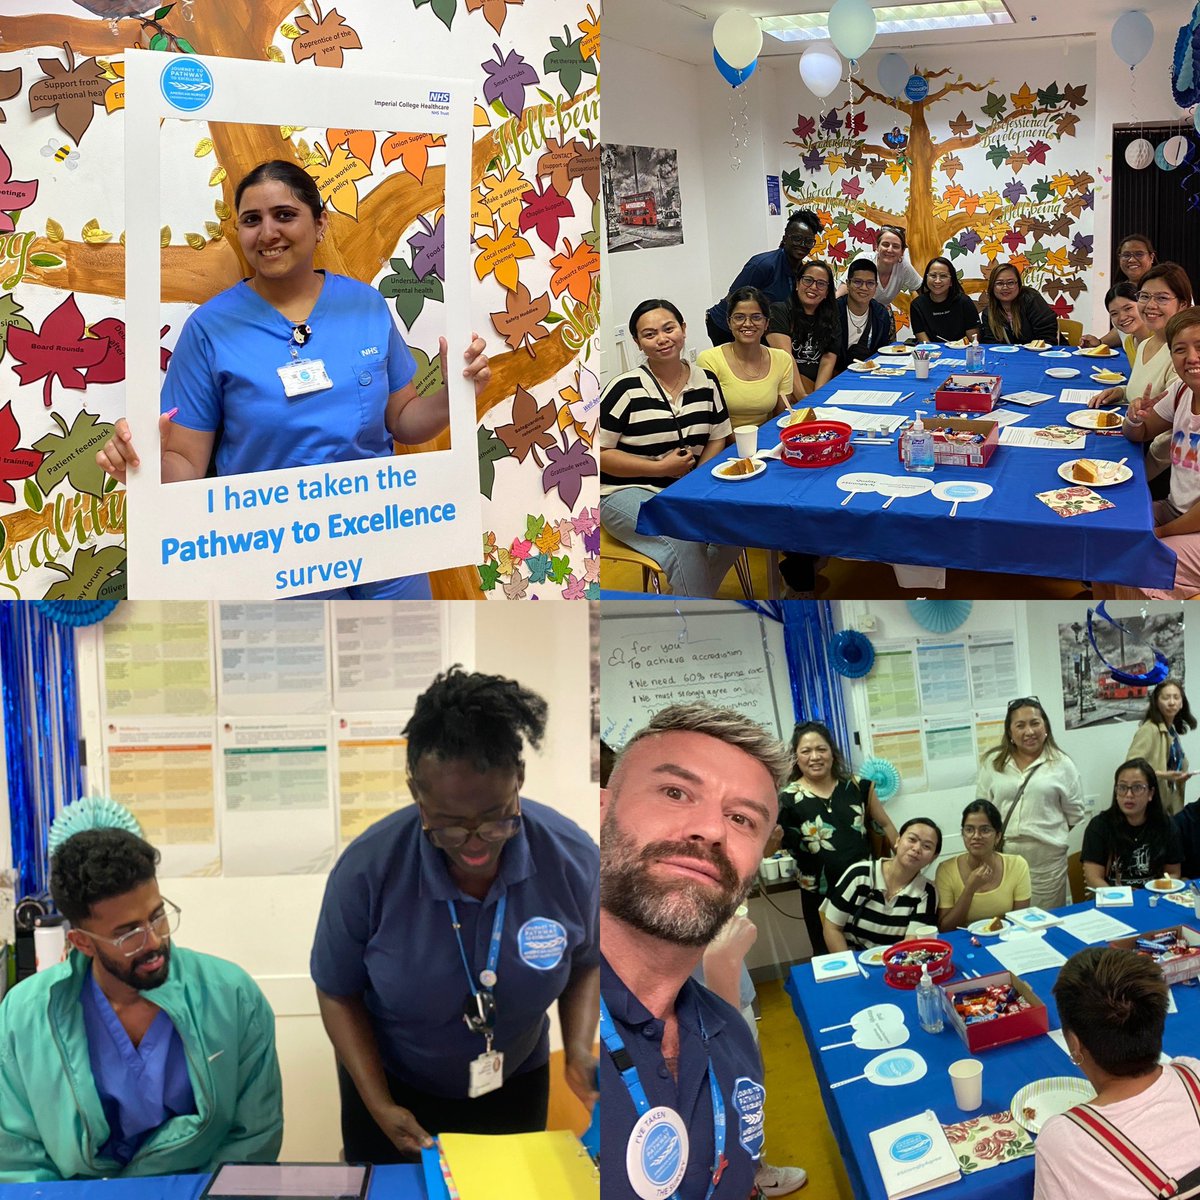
[649, 661]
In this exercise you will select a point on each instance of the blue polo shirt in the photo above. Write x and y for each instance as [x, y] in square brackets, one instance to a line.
[770, 272]
[735, 1060]
[385, 934]
[223, 376]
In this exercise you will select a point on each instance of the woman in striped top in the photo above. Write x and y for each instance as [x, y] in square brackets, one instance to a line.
[875, 901]
[657, 423]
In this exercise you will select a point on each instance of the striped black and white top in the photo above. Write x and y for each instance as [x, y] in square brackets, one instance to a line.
[859, 907]
[637, 416]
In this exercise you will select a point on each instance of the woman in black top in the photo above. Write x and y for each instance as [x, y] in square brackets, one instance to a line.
[1015, 314]
[941, 311]
[1133, 840]
[807, 325]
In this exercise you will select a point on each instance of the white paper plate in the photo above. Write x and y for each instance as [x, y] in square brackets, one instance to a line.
[1116, 378]
[981, 927]
[1048, 1098]
[1061, 372]
[1121, 475]
[1002, 349]
[1054, 354]
[869, 365]
[1097, 352]
[961, 344]
[872, 957]
[1177, 885]
[789, 418]
[895, 350]
[1036, 347]
[1089, 418]
[718, 473]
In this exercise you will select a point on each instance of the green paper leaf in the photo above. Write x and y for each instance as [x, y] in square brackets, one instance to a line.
[428, 378]
[489, 573]
[409, 292]
[33, 497]
[533, 526]
[9, 309]
[96, 573]
[71, 455]
[444, 10]
[491, 451]
[560, 567]
[47, 261]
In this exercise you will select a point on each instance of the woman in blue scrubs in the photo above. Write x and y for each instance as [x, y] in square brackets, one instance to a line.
[293, 366]
[449, 929]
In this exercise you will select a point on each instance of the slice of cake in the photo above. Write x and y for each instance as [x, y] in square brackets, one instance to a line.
[1107, 420]
[1084, 470]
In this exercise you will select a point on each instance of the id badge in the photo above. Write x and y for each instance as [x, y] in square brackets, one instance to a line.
[303, 376]
[487, 1073]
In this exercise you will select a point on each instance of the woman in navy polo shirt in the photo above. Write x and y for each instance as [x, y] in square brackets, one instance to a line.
[450, 927]
[292, 367]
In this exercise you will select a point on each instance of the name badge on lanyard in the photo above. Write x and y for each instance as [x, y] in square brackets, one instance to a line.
[656, 1155]
[304, 375]
[486, 1070]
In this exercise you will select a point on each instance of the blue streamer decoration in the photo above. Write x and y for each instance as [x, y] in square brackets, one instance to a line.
[851, 654]
[38, 693]
[1156, 674]
[75, 612]
[885, 776]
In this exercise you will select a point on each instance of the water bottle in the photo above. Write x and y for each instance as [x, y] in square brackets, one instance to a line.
[929, 1003]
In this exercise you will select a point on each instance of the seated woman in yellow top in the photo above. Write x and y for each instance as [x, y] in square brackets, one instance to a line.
[983, 882]
[752, 376]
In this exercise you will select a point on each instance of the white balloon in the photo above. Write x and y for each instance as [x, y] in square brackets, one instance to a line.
[737, 38]
[852, 27]
[893, 74]
[821, 69]
[1139, 154]
[1132, 36]
[1174, 151]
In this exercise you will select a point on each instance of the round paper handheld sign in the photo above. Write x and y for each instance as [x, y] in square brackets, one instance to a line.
[656, 1156]
[858, 481]
[877, 1014]
[961, 491]
[894, 486]
[891, 1069]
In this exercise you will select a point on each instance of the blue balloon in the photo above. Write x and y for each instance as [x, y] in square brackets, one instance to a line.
[917, 88]
[732, 75]
[893, 74]
[1132, 37]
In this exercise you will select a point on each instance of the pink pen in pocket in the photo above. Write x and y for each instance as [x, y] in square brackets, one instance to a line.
[170, 415]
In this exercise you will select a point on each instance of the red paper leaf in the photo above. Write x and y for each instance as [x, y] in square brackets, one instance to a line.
[59, 350]
[15, 462]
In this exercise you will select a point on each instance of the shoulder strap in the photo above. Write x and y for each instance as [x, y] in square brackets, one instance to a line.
[1158, 1184]
[1016, 800]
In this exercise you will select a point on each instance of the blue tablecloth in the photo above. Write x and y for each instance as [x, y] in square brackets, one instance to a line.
[387, 1183]
[858, 1108]
[1011, 531]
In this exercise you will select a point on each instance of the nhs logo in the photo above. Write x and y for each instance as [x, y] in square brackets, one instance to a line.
[439, 97]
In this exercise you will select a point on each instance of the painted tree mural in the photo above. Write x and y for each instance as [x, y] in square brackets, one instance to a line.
[1028, 221]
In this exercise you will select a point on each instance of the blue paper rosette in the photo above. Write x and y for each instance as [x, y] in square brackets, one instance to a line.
[851, 654]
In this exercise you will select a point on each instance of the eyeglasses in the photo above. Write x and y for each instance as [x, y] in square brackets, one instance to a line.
[811, 281]
[1132, 789]
[800, 239]
[1007, 282]
[134, 942]
[1132, 254]
[1024, 702]
[867, 285]
[744, 319]
[979, 831]
[1157, 297]
[450, 837]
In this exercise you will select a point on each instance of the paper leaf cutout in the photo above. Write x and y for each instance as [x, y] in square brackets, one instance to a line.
[566, 60]
[543, 211]
[412, 149]
[567, 470]
[590, 28]
[529, 428]
[10, 85]
[409, 292]
[57, 351]
[429, 249]
[96, 573]
[560, 568]
[15, 462]
[507, 79]
[73, 92]
[360, 142]
[995, 106]
[337, 180]
[324, 40]
[556, 161]
[444, 10]
[960, 126]
[10, 319]
[14, 194]
[586, 167]
[520, 323]
[489, 576]
[71, 454]
[494, 11]
[498, 256]
[549, 539]
[502, 196]
[573, 271]
[517, 587]
[428, 377]
[491, 451]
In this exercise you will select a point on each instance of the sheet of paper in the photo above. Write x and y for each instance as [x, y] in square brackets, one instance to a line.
[950, 753]
[372, 770]
[905, 748]
[1056, 1036]
[386, 654]
[1091, 926]
[884, 422]
[1022, 955]
[158, 659]
[1028, 398]
[273, 658]
[992, 660]
[989, 733]
[1052, 437]
[864, 399]
[521, 1166]
[1077, 395]
[892, 685]
[942, 670]
[162, 769]
[276, 773]
[1003, 418]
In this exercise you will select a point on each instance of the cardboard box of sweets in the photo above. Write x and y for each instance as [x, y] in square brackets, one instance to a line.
[1175, 967]
[967, 393]
[1000, 1031]
[958, 454]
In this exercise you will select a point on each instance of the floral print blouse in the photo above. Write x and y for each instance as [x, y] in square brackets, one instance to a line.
[825, 836]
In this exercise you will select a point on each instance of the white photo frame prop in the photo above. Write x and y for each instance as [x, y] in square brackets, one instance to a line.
[415, 513]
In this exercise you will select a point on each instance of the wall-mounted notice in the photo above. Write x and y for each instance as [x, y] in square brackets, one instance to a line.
[386, 654]
[943, 673]
[993, 664]
[372, 770]
[892, 685]
[904, 748]
[273, 657]
[158, 659]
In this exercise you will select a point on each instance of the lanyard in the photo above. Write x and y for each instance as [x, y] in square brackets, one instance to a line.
[487, 976]
[637, 1093]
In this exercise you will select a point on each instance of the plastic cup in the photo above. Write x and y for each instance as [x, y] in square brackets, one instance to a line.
[921, 366]
[787, 867]
[967, 1077]
[746, 437]
[770, 869]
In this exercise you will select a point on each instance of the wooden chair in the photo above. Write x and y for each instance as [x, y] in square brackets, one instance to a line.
[1070, 332]
[1075, 880]
[654, 578]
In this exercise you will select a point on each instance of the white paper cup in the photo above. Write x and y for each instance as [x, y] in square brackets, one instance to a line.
[921, 366]
[967, 1077]
[746, 437]
[770, 869]
[787, 867]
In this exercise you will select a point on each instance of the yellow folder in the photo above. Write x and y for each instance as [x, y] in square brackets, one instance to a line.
[521, 1166]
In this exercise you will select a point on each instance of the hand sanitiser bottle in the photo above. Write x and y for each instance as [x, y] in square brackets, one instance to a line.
[920, 447]
[929, 1003]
